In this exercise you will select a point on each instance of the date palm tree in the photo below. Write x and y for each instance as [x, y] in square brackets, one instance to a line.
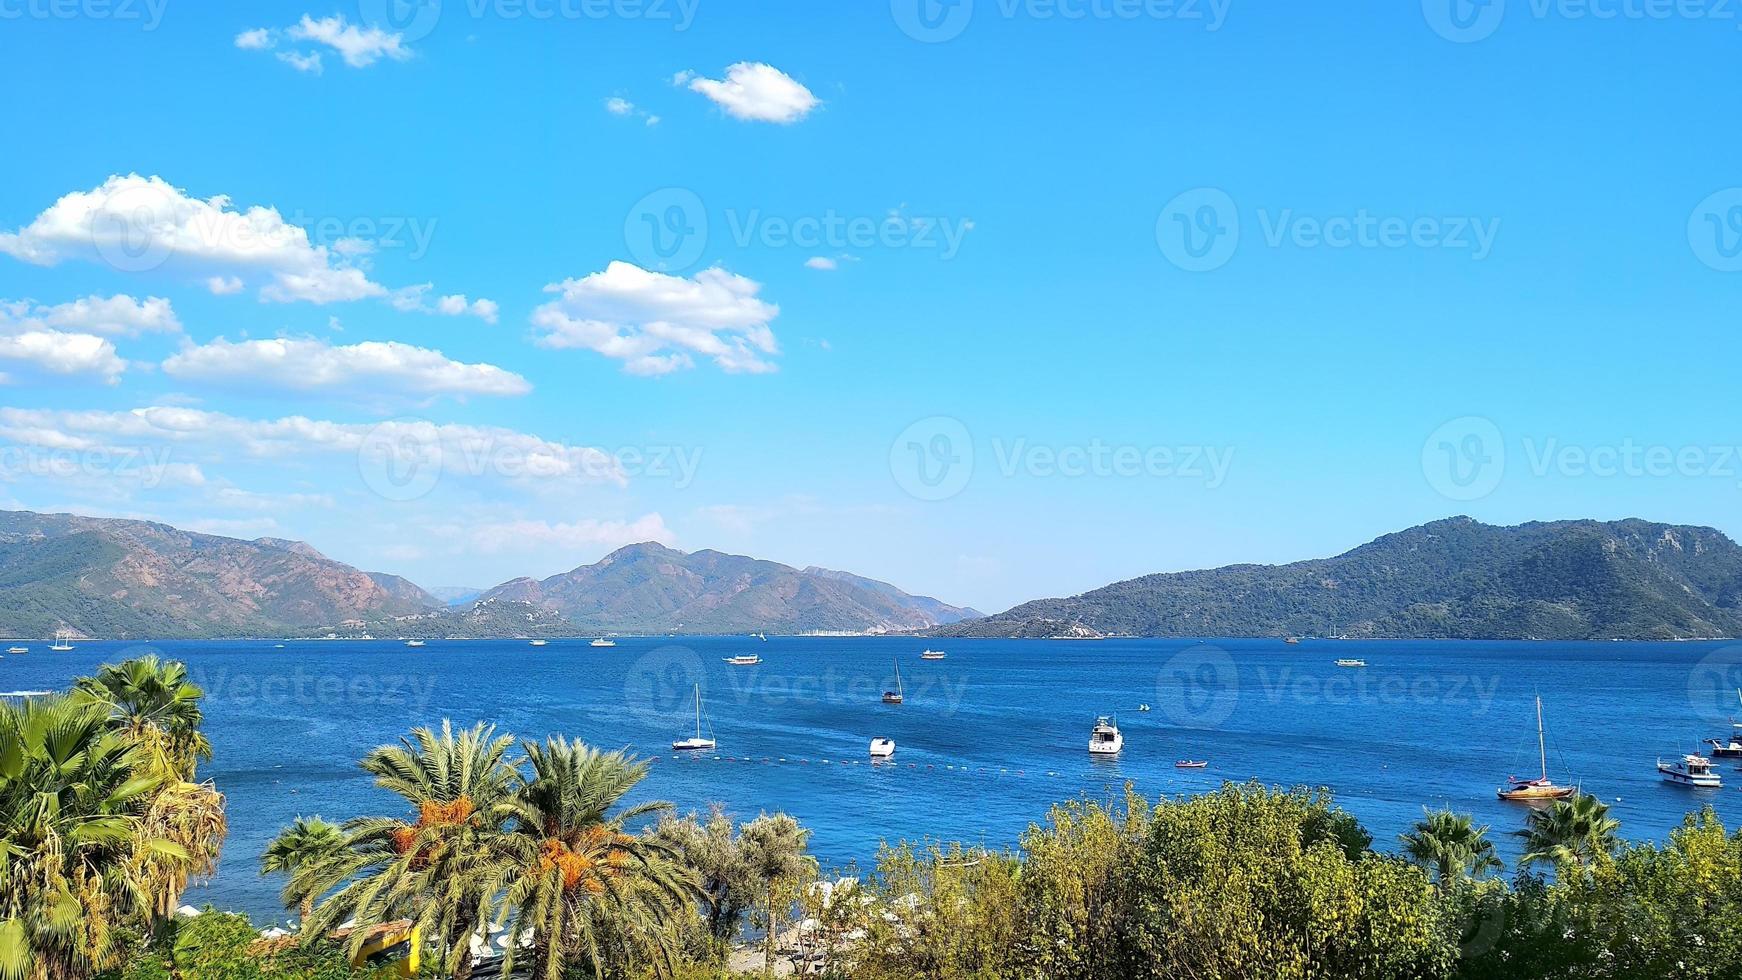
[774, 848]
[155, 703]
[306, 843]
[76, 845]
[438, 866]
[582, 886]
[1571, 832]
[1450, 847]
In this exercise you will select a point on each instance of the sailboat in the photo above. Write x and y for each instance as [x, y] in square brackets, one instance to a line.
[894, 697]
[698, 742]
[1541, 788]
[62, 643]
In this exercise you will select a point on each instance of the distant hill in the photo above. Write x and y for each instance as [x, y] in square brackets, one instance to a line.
[109, 578]
[648, 588]
[456, 595]
[1456, 578]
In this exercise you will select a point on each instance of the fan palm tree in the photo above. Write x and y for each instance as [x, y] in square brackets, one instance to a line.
[76, 845]
[774, 848]
[154, 702]
[1571, 832]
[581, 886]
[306, 843]
[438, 867]
[1450, 846]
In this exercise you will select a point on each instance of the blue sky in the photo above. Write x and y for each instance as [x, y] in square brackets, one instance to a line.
[1484, 264]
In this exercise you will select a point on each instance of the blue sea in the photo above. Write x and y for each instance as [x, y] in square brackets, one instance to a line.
[987, 738]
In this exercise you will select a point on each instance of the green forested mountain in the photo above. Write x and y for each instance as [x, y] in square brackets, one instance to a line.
[1455, 578]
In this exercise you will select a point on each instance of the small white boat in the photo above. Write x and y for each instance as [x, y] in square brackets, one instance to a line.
[1691, 770]
[1351, 663]
[932, 655]
[603, 641]
[17, 649]
[538, 643]
[414, 643]
[882, 748]
[697, 742]
[1104, 738]
[744, 660]
[62, 642]
[1143, 707]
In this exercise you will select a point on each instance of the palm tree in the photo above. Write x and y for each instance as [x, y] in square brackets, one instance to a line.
[1569, 832]
[437, 868]
[1450, 846]
[774, 848]
[76, 847]
[154, 702]
[581, 885]
[306, 843]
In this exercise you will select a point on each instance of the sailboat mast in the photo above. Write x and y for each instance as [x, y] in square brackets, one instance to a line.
[698, 711]
[1541, 743]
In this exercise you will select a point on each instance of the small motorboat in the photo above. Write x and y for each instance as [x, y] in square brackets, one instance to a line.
[1104, 738]
[744, 660]
[932, 655]
[696, 742]
[603, 641]
[1292, 641]
[1190, 764]
[1351, 663]
[895, 696]
[882, 748]
[17, 649]
[538, 643]
[1691, 770]
[414, 643]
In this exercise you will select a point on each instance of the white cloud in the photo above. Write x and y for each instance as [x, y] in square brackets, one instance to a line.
[114, 316]
[754, 91]
[360, 47]
[585, 535]
[412, 299]
[259, 39]
[619, 107]
[62, 354]
[224, 285]
[365, 369]
[654, 322]
[308, 63]
[821, 263]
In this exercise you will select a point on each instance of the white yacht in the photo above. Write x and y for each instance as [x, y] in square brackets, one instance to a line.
[414, 643]
[17, 649]
[1692, 770]
[538, 643]
[932, 655]
[62, 642]
[744, 660]
[697, 742]
[1351, 663]
[603, 641]
[1105, 738]
[882, 748]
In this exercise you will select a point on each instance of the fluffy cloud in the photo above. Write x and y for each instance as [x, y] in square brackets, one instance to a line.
[585, 535]
[63, 354]
[114, 316]
[655, 322]
[413, 299]
[360, 47]
[623, 107]
[755, 92]
[368, 368]
[821, 263]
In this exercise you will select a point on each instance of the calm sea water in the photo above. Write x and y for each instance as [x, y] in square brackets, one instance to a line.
[986, 739]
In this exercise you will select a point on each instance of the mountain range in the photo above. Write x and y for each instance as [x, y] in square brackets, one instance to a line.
[1455, 578]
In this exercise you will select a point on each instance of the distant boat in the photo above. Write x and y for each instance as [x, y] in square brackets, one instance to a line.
[744, 660]
[1351, 663]
[538, 643]
[895, 696]
[763, 637]
[882, 748]
[1190, 764]
[932, 655]
[603, 641]
[414, 643]
[62, 642]
[1692, 770]
[698, 742]
[1541, 788]
[1292, 640]
[1732, 748]
[17, 649]
[1104, 738]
